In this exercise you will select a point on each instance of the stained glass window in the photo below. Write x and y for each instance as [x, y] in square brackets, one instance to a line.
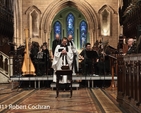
[57, 28]
[83, 33]
[70, 24]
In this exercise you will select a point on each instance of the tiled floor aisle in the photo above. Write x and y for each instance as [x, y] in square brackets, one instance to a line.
[29, 101]
[107, 104]
[44, 101]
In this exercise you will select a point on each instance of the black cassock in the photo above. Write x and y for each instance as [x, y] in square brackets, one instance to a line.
[54, 44]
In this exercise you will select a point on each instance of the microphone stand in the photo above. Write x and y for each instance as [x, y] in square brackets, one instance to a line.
[46, 65]
[103, 84]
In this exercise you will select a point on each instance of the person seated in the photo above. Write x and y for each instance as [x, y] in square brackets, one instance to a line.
[131, 46]
[86, 63]
[96, 60]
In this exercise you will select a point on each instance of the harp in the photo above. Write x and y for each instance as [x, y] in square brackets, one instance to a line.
[27, 66]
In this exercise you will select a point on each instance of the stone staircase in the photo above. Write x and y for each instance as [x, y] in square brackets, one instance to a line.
[6, 67]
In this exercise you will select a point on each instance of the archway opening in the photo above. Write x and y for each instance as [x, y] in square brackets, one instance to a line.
[70, 21]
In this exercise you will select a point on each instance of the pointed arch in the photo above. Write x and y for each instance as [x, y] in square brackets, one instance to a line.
[105, 14]
[33, 17]
[31, 8]
[83, 6]
[109, 8]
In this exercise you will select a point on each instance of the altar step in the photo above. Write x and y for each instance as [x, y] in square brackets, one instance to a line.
[74, 85]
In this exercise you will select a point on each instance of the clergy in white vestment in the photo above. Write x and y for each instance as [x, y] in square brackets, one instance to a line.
[75, 64]
[63, 56]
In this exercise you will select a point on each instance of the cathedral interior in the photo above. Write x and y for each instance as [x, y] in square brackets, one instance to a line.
[28, 24]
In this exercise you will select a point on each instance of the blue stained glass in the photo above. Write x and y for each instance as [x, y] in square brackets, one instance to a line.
[83, 34]
[70, 24]
[57, 28]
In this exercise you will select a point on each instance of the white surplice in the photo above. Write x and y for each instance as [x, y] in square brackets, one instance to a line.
[74, 50]
[58, 61]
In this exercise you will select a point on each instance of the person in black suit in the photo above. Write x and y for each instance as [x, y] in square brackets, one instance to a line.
[56, 42]
[131, 46]
[86, 62]
[103, 64]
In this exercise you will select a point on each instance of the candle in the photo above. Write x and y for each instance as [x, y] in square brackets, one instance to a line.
[124, 41]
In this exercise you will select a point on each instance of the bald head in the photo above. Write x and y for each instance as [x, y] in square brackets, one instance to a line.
[70, 37]
[130, 42]
[57, 36]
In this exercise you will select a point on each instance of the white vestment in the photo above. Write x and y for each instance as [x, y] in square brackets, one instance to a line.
[74, 50]
[58, 61]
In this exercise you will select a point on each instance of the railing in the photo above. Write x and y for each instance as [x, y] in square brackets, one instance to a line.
[129, 82]
[6, 66]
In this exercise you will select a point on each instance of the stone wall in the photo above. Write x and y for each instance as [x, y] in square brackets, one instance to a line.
[89, 8]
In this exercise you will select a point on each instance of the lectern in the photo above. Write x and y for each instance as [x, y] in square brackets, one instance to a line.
[66, 72]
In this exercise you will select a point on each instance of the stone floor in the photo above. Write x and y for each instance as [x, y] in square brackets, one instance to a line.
[84, 100]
